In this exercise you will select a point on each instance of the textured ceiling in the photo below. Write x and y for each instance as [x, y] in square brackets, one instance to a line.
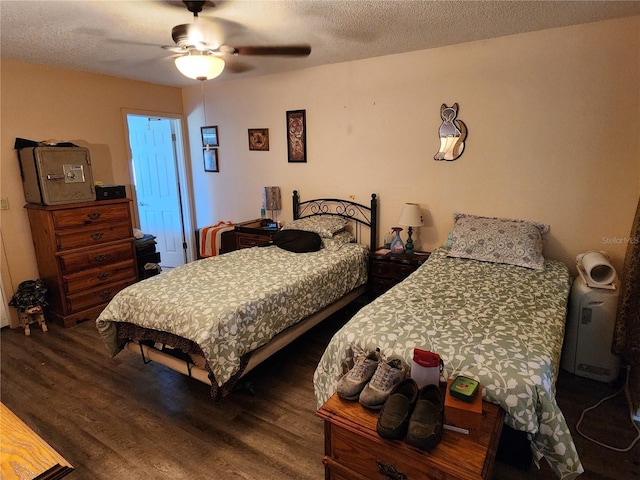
[123, 38]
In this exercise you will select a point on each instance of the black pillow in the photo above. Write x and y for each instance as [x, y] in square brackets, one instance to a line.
[298, 241]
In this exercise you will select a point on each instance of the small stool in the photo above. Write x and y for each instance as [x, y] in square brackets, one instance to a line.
[32, 315]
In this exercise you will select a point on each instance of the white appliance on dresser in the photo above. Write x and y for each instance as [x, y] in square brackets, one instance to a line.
[591, 318]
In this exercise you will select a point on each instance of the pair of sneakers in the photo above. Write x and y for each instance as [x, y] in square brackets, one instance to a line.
[371, 379]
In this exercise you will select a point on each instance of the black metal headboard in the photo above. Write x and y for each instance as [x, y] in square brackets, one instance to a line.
[356, 212]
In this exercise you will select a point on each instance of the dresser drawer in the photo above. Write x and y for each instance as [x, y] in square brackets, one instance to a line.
[248, 240]
[93, 235]
[77, 217]
[82, 281]
[335, 471]
[80, 261]
[396, 271]
[381, 285]
[371, 457]
[95, 296]
[381, 269]
[403, 271]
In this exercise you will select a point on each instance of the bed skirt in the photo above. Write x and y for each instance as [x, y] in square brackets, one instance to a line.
[187, 358]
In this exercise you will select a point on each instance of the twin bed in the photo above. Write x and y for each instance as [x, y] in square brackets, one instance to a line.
[215, 319]
[487, 302]
[494, 310]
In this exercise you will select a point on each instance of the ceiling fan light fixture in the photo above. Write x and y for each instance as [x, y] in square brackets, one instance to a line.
[200, 67]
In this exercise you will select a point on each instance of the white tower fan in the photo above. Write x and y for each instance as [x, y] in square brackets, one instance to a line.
[591, 318]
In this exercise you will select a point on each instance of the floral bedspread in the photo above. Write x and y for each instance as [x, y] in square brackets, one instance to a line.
[234, 303]
[500, 324]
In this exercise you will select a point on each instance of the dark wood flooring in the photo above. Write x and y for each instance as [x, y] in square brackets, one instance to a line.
[120, 419]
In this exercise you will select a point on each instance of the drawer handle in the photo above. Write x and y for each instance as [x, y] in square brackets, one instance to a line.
[100, 258]
[389, 471]
[97, 235]
[93, 216]
[102, 276]
[104, 295]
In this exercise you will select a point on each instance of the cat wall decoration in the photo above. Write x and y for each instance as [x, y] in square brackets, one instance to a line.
[453, 133]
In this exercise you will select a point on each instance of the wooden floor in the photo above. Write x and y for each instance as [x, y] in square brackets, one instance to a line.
[120, 419]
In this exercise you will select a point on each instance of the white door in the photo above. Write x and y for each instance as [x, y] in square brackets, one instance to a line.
[156, 182]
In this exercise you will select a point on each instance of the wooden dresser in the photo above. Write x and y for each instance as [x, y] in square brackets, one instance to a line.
[85, 254]
[353, 449]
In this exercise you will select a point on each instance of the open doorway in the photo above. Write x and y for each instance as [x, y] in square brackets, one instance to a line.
[161, 190]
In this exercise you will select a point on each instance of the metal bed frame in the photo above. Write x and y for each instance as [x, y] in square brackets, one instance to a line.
[362, 217]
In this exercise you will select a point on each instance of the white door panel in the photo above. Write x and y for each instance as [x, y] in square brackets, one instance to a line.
[156, 182]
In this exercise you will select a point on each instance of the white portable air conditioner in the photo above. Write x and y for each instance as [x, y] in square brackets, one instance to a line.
[589, 332]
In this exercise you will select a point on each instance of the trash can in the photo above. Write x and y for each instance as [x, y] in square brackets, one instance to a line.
[147, 258]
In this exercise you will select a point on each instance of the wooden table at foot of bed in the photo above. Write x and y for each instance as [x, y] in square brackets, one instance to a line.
[353, 449]
[24, 455]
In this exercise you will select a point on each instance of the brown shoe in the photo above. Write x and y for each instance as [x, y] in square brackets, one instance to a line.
[395, 414]
[426, 423]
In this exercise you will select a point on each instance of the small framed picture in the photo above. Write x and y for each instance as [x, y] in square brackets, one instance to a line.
[259, 139]
[211, 160]
[209, 136]
[297, 136]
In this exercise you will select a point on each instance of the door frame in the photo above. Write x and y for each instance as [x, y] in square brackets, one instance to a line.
[185, 185]
[9, 316]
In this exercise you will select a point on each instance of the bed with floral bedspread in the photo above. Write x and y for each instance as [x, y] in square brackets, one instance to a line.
[230, 305]
[501, 324]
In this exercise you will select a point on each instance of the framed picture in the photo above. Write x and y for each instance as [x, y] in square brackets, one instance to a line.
[259, 139]
[209, 136]
[211, 160]
[297, 136]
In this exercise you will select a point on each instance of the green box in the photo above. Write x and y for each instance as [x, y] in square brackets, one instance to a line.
[464, 388]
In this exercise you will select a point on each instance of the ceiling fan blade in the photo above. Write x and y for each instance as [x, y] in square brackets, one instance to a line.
[176, 48]
[234, 66]
[283, 50]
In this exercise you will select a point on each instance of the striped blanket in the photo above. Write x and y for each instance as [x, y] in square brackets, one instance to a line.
[210, 238]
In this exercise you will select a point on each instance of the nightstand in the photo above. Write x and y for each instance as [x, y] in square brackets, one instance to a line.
[387, 269]
[248, 234]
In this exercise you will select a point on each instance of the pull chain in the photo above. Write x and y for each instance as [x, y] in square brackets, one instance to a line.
[204, 105]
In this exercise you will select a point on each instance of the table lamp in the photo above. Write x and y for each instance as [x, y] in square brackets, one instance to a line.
[272, 199]
[411, 216]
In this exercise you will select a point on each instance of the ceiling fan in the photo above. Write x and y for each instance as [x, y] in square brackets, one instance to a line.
[201, 60]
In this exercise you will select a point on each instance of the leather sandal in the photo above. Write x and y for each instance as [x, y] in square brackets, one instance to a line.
[426, 423]
[396, 412]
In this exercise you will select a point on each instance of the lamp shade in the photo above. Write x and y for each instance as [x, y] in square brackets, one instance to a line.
[411, 216]
[200, 67]
[272, 198]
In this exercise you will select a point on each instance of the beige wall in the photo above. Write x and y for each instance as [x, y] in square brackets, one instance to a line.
[41, 103]
[553, 121]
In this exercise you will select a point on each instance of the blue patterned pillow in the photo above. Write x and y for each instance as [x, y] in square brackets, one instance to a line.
[498, 240]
